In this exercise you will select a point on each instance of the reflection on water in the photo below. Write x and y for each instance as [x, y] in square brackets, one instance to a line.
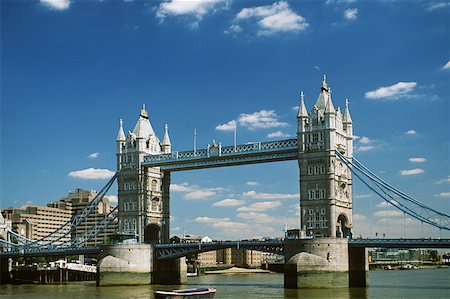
[424, 283]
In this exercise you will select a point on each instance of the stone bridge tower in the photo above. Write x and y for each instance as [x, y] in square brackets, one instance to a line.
[325, 181]
[140, 197]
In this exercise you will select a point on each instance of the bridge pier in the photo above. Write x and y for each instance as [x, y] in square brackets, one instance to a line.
[319, 262]
[5, 270]
[358, 266]
[125, 264]
[173, 271]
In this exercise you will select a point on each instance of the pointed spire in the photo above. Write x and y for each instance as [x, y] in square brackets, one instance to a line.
[347, 117]
[121, 135]
[143, 128]
[324, 83]
[329, 108]
[302, 112]
[166, 140]
[324, 96]
[143, 113]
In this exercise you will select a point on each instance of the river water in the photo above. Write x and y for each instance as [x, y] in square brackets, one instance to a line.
[423, 283]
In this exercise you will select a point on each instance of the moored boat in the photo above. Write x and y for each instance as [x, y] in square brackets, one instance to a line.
[186, 293]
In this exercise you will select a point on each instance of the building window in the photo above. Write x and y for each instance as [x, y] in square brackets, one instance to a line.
[315, 138]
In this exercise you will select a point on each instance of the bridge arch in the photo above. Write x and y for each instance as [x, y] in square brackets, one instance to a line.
[152, 233]
[343, 228]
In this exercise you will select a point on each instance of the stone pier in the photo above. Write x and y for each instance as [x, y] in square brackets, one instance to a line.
[5, 270]
[134, 264]
[358, 266]
[170, 271]
[125, 264]
[318, 262]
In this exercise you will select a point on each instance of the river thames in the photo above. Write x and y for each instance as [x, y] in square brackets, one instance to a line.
[423, 283]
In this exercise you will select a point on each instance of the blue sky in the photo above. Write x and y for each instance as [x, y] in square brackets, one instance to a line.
[71, 69]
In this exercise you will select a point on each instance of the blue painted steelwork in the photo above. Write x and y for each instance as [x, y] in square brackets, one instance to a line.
[400, 243]
[217, 156]
[395, 197]
[171, 251]
[56, 239]
[177, 250]
[54, 251]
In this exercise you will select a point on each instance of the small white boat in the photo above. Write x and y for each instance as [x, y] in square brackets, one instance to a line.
[186, 293]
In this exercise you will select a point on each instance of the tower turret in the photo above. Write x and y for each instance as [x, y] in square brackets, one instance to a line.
[166, 145]
[121, 144]
[139, 189]
[348, 128]
[325, 183]
[302, 120]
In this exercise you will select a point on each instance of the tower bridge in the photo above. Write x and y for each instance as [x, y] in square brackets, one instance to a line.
[323, 150]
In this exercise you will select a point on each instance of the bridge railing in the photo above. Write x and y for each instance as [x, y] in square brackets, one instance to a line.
[217, 150]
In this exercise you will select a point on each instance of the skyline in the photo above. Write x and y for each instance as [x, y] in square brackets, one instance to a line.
[72, 69]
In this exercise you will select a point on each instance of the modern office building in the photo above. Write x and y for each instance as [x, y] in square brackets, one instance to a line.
[36, 222]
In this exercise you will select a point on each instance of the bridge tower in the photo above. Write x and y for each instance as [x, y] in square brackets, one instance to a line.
[325, 182]
[140, 196]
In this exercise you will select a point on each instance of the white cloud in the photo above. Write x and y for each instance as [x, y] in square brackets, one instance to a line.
[277, 134]
[447, 65]
[438, 5]
[385, 204]
[411, 132]
[442, 181]
[417, 160]
[264, 119]
[257, 217]
[93, 155]
[233, 29]
[256, 195]
[278, 17]
[388, 213]
[200, 194]
[351, 13]
[364, 140]
[230, 226]
[193, 191]
[364, 148]
[260, 206]
[252, 183]
[363, 144]
[180, 187]
[92, 174]
[56, 4]
[412, 171]
[229, 126]
[229, 202]
[196, 9]
[363, 196]
[359, 217]
[393, 92]
[443, 194]
[210, 220]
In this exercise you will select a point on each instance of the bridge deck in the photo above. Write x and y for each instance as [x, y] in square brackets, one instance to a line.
[218, 156]
[169, 251]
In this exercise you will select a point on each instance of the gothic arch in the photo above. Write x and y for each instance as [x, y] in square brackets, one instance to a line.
[152, 233]
[343, 229]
